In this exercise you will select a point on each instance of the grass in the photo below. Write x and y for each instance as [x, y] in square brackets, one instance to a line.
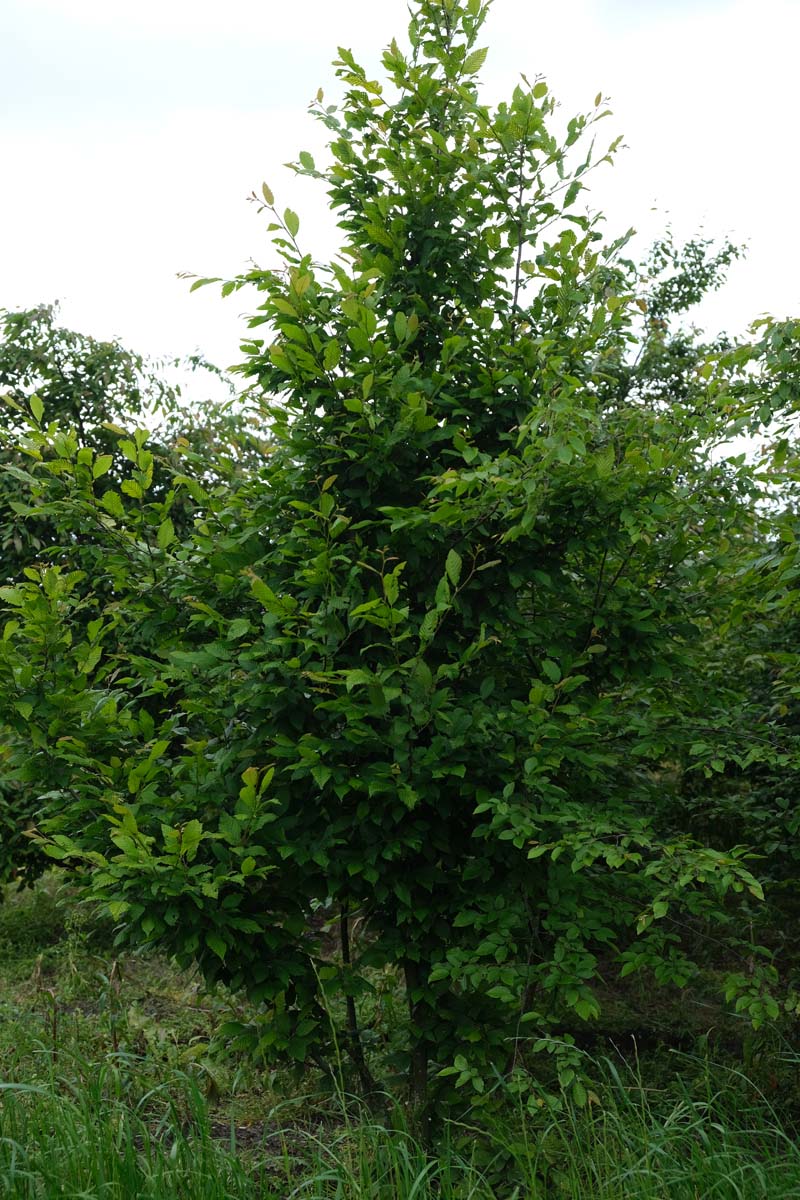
[93, 1141]
[109, 1090]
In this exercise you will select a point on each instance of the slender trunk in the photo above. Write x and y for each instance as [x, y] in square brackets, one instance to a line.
[418, 1066]
[354, 1046]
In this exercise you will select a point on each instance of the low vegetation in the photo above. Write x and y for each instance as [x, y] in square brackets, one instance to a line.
[115, 1083]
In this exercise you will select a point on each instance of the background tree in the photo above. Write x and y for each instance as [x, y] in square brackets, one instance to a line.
[99, 389]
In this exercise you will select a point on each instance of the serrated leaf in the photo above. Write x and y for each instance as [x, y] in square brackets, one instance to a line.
[453, 567]
[266, 192]
[605, 461]
[292, 222]
[428, 627]
[101, 465]
[551, 670]
[473, 62]
[391, 588]
[89, 661]
[112, 504]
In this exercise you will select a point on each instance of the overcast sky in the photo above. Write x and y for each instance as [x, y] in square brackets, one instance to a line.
[132, 131]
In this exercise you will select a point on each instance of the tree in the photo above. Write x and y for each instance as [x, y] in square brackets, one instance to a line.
[417, 669]
[97, 388]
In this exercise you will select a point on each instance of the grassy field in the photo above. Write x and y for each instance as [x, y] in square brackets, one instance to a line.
[111, 1087]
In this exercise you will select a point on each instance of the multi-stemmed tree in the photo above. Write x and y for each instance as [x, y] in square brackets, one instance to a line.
[432, 665]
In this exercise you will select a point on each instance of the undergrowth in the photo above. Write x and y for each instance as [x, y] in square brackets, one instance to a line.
[111, 1089]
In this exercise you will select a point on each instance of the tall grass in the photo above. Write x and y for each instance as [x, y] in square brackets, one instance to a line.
[638, 1144]
[91, 1136]
[89, 1143]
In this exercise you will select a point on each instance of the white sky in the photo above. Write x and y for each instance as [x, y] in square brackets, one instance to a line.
[132, 131]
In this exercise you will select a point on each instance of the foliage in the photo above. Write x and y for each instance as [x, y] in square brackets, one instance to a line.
[94, 388]
[100, 389]
[426, 675]
[84, 384]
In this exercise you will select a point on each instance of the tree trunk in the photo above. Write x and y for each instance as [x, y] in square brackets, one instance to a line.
[418, 1066]
[354, 1046]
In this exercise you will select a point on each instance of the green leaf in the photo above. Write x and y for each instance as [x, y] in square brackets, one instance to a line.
[265, 595]
[453, 567]
[326, 504]
[428, 627]
[571, 194]
[321, 774]
[166, 533]
[292, 222]
[217, 944]
[356, 677]
[331, 355]
[37, 408]
[551, 670]
[102, 465]
[112, 504]
[191, 837]
[474, 61]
